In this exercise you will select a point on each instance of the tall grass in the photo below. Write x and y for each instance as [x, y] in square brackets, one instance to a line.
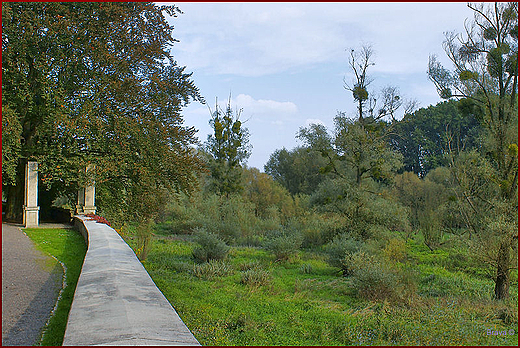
[291, 306]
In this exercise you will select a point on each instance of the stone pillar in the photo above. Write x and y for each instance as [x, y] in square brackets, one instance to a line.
[90, 198]
[81, 201]
[87, 197]
[31, 214]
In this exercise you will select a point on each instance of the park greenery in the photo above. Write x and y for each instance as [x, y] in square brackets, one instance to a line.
[382, 231]
[68, 247]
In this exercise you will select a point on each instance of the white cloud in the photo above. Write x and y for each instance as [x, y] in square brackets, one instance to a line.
[255, 39]
[264, 107]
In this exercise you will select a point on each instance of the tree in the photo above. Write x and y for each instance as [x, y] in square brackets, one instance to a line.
[422, 136]
[228, 148]
[485, 79]
[298, 170]
[94, 83]
[359, 161]
[266, 194]
[367, 103]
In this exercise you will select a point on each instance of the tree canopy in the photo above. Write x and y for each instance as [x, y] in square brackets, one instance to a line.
[95, 83]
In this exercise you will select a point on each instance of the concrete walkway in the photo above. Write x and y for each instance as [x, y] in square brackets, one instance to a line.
[116, 302]
[31, 281]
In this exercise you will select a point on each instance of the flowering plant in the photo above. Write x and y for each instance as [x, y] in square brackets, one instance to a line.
[98, 219]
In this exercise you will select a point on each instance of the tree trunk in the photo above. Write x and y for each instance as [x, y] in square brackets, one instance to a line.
[14, 210]
[14, 195]
[502, 278]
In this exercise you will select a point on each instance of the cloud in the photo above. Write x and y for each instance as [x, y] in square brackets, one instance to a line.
[257, 39]
[265, 107]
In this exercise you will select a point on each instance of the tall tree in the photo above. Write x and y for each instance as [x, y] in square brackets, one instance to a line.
[228, 148]
[422, 136]
[95, 83]
[298, 170]
[485, 79]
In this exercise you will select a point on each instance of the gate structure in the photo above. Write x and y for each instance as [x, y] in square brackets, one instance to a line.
[31, 210]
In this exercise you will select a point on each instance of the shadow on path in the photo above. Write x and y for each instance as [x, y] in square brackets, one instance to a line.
[31, 281]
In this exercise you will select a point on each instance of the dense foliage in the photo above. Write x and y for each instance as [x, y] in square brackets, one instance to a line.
[94, 83]
[374, 232]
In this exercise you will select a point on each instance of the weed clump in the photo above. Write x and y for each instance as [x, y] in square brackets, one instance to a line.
[283, 244]
[306, 268]
[253, 264]
[210, 247]
[212, 269]
[375, 281]
[255, 277]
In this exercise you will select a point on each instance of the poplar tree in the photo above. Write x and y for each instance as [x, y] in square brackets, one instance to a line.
[228, 148]
[485, 80]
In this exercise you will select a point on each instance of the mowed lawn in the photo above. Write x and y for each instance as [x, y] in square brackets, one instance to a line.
[67, 246]
[251, 299]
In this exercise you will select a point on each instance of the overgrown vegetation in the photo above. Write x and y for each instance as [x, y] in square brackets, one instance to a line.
[68, 247]
[251, 298]
[380, 231]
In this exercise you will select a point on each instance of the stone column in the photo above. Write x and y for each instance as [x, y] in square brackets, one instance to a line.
[87, 197]
[31, 214]
[81, 201]
[90, 198]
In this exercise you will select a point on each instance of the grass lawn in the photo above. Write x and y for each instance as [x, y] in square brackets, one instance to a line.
[304, 301]
[68, 246]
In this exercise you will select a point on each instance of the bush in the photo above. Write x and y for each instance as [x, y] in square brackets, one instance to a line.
[375, 281]
[255, 277]
[210, 247]
[306, 268]
[395, 250]
[212, 269]
[283, 244]
[339, 249]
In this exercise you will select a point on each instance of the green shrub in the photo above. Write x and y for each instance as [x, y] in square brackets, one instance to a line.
[341, 246]
[375, 281]
[395, 250]
[306, 268]
[210, 247]
[283, 244]
[212, 269]
[255, 277]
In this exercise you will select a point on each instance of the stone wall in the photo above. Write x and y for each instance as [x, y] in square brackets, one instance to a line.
[116, 302]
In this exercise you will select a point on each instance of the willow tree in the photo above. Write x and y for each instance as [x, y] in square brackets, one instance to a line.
[95, 83]
[485, 79]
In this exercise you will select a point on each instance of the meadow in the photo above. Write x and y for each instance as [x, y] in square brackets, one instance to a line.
[251, 298]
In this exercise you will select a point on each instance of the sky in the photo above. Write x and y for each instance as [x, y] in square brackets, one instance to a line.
[285, 64]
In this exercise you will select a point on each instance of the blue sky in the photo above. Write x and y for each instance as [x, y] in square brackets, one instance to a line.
[285, 63]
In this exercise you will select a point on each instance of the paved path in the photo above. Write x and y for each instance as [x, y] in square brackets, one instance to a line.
[30, 286]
